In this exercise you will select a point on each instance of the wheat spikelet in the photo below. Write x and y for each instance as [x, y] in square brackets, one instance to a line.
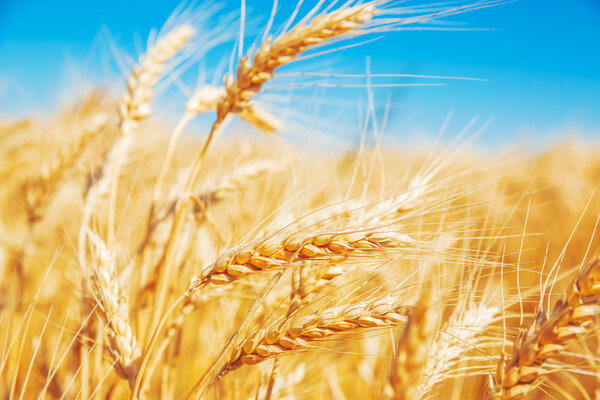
[135, 103]
[413, 347]
[298, 334]
[39, 191]
[458, 336]
[274, 53]
[272, 254]
[113, 306]
[133, 108]
[549, 335]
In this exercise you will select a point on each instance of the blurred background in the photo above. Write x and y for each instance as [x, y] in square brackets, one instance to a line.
[538, 61]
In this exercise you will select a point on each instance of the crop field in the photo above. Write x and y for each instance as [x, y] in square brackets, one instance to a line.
[146, 257]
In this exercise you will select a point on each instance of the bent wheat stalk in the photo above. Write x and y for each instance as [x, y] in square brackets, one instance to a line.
[272, 54]
[297, 335]
[549, 335]
[249, 80]
[40, 191]
[236, 98]
[113, 307]
[268, 255]
[133, 108]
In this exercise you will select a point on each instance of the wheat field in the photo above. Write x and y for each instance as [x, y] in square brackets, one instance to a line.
[146, 259]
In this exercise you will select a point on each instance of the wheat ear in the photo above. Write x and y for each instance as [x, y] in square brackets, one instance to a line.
[135, 103]
[297, 335]
[133, 108]
[272, 54]
[413, 347]
[462, 333]
[548, 336]
[269, 255]
[249, 80]
[113, 306]
[40, 190]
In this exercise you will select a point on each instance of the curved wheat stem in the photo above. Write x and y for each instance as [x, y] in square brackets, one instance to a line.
[272, 54]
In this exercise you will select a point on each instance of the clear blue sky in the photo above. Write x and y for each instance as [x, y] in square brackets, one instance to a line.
[541, 59]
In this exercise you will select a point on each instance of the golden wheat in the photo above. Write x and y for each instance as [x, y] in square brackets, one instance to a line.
[270, 270]
[548, 335]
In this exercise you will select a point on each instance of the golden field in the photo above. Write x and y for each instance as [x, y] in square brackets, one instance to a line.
[144, 260]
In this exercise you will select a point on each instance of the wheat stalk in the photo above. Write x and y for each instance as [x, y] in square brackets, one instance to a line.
[271, 254]
[112, 304]
[298, 334]
[40, 190]
[238, 93]
[270, 55]
[135, 103]
[133, 108]
[571, 318]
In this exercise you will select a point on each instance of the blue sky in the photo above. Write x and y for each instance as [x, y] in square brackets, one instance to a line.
[541, 60]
